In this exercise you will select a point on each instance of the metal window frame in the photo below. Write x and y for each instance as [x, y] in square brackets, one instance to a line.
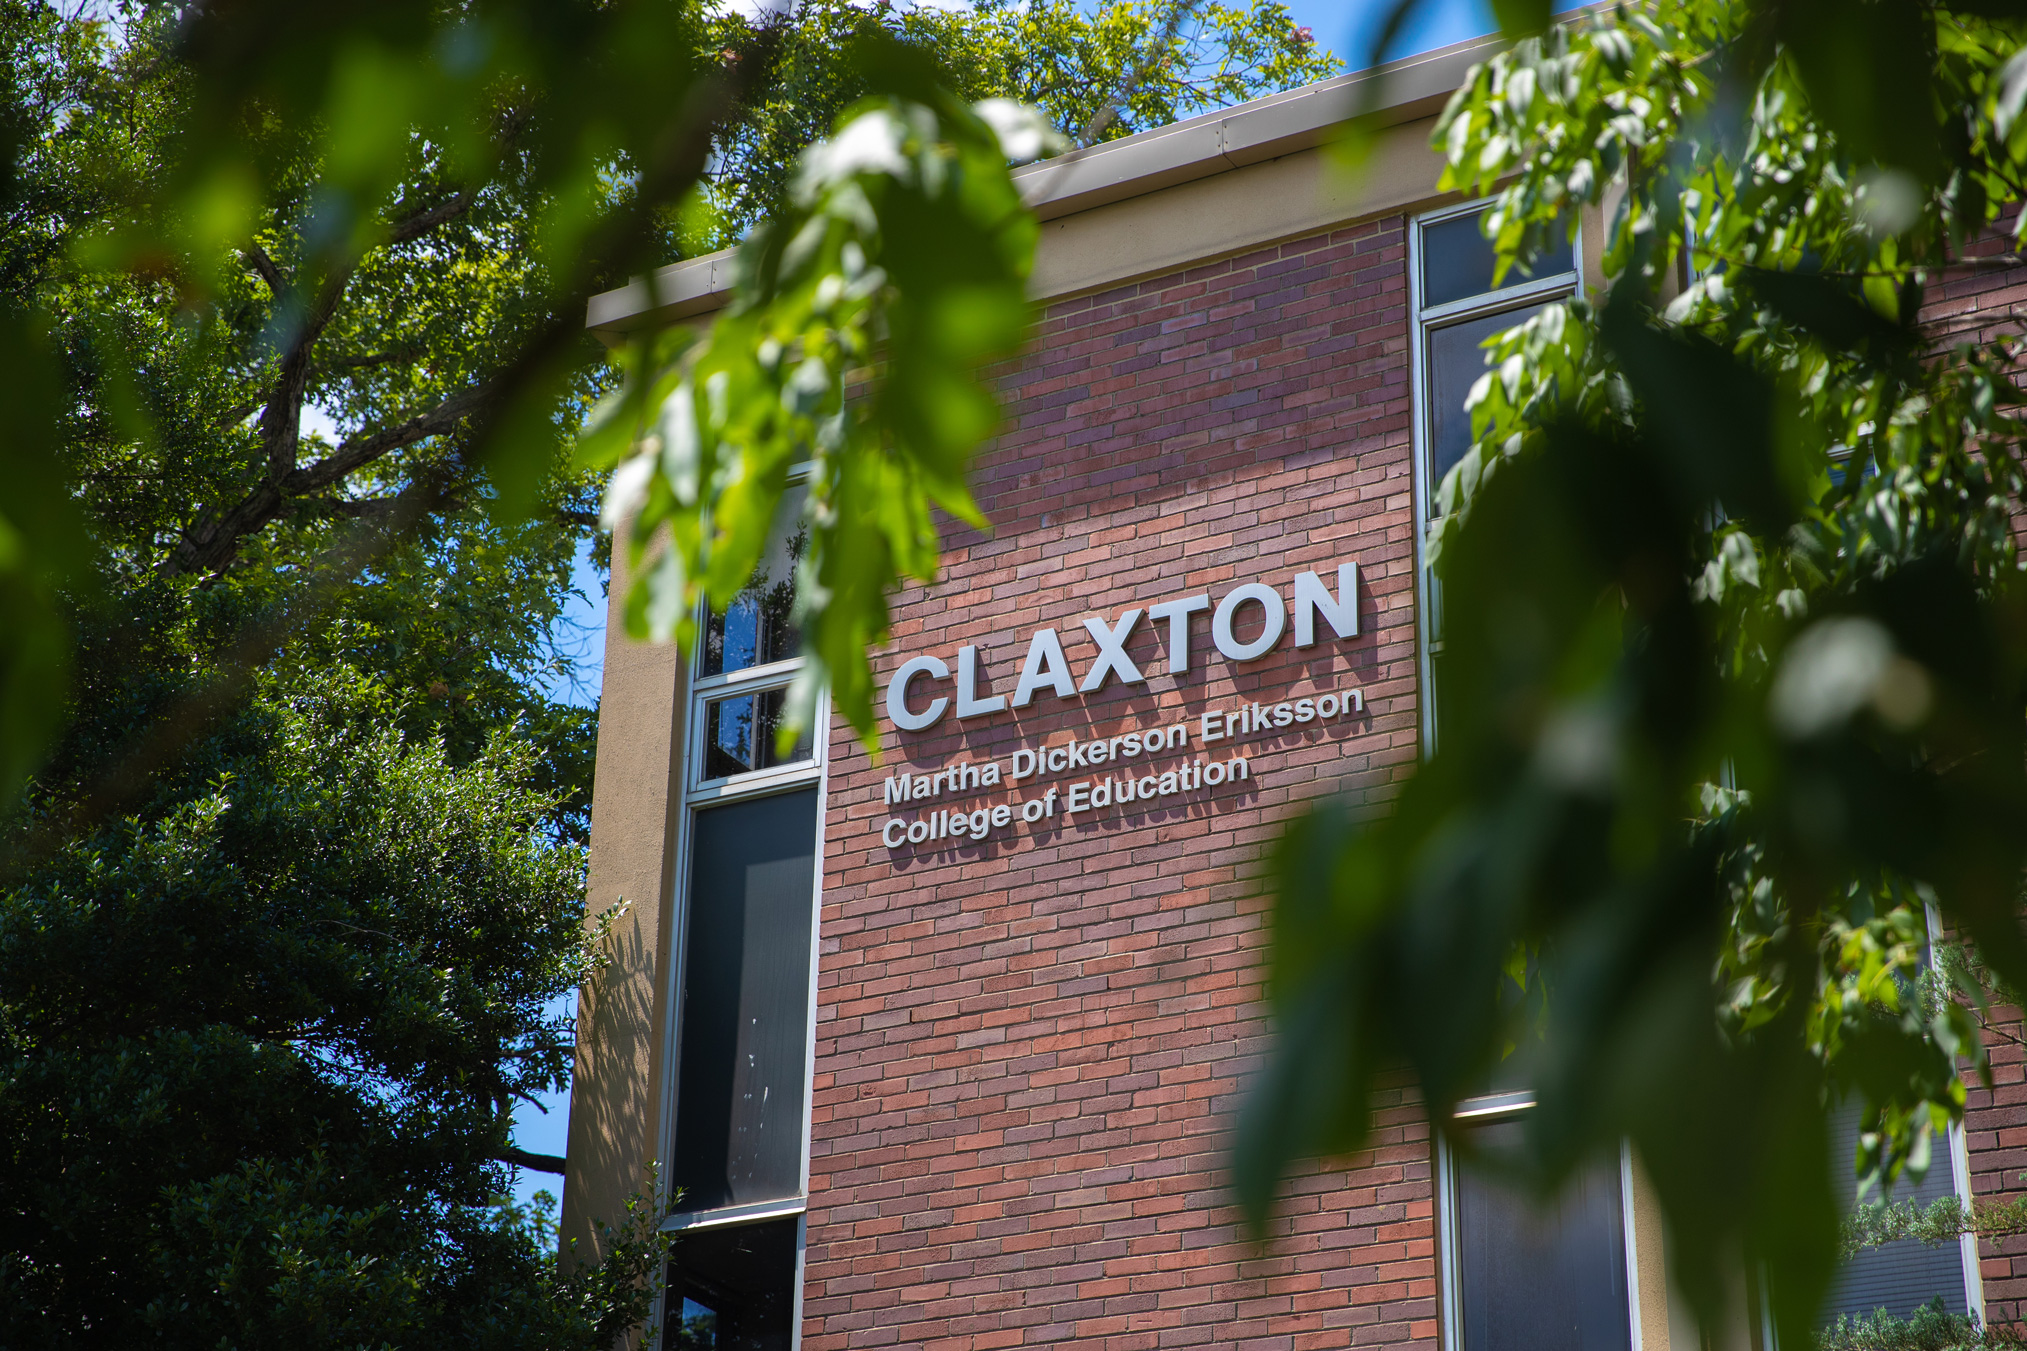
[1449, 1273]
[1421, 321]
[1959, 1154]
[699, 790]
[697, 794]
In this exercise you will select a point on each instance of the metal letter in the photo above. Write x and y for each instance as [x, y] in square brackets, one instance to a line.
[1111, 654]
[897, 694]
[1177, 613]
[969, 705]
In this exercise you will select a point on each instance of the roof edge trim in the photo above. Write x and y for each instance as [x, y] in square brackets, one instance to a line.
[1115, 171]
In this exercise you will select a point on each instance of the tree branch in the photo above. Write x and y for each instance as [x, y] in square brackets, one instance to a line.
[421, 223]
[215, 543]
[521, 1158]
[618, 241]
[1157, 48]
[269, 273]
[356, 508]
[418, 223]
[324, 370]
[282, 419]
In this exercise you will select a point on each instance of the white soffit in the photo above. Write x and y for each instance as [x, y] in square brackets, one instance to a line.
[1115, 171]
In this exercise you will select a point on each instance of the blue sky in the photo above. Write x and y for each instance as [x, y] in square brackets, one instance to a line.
[1348, 28]
[580, 635]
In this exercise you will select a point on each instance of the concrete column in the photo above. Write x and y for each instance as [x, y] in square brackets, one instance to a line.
[619, 1092]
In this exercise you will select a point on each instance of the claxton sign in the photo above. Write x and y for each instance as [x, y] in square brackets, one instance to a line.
[1147, 765]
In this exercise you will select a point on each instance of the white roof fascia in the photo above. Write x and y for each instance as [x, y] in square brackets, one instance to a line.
[1246, 133]
[1132, 166]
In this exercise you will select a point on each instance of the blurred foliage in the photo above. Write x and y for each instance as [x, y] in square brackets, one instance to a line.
[345, 256]
[1734, 655]
[293, 824]
[1073, 61]
[293, 361]
[891, 265]
[896, 272]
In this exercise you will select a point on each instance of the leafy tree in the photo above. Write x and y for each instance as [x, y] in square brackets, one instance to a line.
[1735, 651]
[287, 896]
[293, 359]
[1098, 73]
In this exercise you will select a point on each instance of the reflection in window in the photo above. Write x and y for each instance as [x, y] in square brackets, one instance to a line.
[733, 1289]
[755, 629]
[1457, 261]
[1535, 1277]
[1460, 309]
[739, 735]
[1456, 360]
[1897, 1277]
[745, 1015]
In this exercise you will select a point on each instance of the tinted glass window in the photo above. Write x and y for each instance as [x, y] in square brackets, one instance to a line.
[733, 1289]
[1455, 361]
[755, 628]
[1897, 1277]
[1457, 261]
[745, 1029]
[739, 735]
[1534, 1278]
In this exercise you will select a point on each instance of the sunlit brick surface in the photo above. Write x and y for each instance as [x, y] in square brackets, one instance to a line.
[1029, 1051]
[1978, 303]
[1995, 1125]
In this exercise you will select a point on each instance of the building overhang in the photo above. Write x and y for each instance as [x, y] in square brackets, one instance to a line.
[1248, 176]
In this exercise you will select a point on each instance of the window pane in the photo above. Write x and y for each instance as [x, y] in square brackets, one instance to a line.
[1455, 363]
[1457, 261]
[755, 630]
[739, 735]
[733, 1289]
[745, 1032]
[1540, 1279]
[1897, 1277]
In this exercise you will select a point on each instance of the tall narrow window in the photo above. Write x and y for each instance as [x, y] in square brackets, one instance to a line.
[757, 629]
[745, 1040]
[1897, 1277]
[738, 1147]
[1901, 1277]
[1525, 1275]
[1456, 308]
[747, 659]
[732, 1289]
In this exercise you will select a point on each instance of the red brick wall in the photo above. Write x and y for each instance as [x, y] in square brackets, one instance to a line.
[1980, 304]
[1029, 1053]
[1995, 1133]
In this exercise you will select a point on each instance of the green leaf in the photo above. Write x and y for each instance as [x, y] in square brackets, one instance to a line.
[1869, 70]
[1522, 18]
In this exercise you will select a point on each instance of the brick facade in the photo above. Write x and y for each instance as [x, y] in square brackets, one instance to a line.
[1995, 1137]
[1029, 1050]
[1980, 304]
[1028, 1053]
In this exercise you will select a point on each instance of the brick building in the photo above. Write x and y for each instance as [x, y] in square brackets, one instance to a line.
[949, 1056]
